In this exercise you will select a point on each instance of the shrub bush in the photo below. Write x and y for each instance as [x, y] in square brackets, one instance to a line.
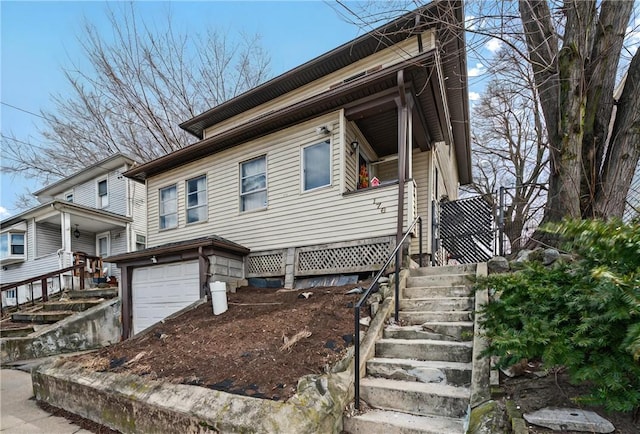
[583, 315]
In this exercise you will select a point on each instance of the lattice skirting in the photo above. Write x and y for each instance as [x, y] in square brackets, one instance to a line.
[345, 257]
[266, 264]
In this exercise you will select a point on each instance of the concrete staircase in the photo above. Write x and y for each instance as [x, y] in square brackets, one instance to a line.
[419, 380]
[22, 323]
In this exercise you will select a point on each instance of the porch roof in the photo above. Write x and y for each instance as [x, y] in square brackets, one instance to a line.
[419, 71]
[61, 206]
[179, 247]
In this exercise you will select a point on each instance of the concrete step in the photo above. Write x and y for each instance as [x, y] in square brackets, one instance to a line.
[423, 371]
[41, 317]
[447, 269]
[424, 349]
[386, 422]
[411, 318]
[411, 397]
[94, 293]
[16, 332]
[437, 291]
[78, 305]
[440, 280]
[437, 303]
[443, 331]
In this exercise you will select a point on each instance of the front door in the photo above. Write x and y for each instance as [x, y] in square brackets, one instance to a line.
[103, 247]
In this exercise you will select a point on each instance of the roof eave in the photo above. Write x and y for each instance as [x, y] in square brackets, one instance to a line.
[179, 248]
[386, 31]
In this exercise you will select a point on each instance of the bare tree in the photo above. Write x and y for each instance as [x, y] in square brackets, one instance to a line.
[141, 85]
[509, 147]
[576, 50]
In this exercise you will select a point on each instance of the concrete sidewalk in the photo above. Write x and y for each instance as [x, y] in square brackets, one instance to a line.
[19, 412]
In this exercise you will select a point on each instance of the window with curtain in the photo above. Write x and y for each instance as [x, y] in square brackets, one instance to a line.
[197, 199]
[316, 166]
[253, 184]
[168, 207]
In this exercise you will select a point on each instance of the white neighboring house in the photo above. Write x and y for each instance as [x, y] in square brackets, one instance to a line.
[95, 212]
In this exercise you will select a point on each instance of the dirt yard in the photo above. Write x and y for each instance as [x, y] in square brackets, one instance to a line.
[251, 349]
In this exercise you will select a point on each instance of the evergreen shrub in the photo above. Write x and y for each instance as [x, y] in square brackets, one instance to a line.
[583, 315]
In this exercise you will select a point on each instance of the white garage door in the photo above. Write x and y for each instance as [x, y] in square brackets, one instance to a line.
[160, 290]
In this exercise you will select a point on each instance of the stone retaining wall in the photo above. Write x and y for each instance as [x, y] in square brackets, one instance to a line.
[93, 328]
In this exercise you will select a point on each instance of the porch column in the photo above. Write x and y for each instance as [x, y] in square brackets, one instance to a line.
[65, 227]
[401, 103]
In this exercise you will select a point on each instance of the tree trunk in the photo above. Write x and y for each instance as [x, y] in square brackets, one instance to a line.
[623, 152]
[601, 75]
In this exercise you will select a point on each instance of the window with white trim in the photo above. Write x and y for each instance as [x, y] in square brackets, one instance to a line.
[141, 242]
[103, 194]
[12, 245]
[10, 294]
[197, 199]
[253, 184]
[102, 244]
[168, 207]
[68, 196]
[316, 166]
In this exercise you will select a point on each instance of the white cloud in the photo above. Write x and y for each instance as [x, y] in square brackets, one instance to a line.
[478, 70]
[474, 96]
[493, 45]
[3, 212]
[470, 22]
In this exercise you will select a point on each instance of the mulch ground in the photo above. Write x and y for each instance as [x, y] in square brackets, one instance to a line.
[251, 349]
[531, 393]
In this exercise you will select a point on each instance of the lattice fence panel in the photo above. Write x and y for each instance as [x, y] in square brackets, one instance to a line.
[466, 229]
[343, 258]
[264, 265]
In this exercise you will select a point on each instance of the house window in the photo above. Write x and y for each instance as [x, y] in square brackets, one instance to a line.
[68, 196]
[316, 166]
[168, 207]
[253, 184]
[10, 294]
[141, 242]
[103, 195]
[197, 199]
[364, 171]
[102, 244]
[11, 244]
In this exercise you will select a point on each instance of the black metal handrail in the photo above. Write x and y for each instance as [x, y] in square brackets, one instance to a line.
[370, 290]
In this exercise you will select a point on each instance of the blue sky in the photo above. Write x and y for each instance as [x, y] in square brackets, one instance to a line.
[39, 39]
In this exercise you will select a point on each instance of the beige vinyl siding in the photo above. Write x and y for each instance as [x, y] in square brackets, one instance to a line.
[421, 176]
[350, 158]
[447, 173]
[389, 56]
[293, 217]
